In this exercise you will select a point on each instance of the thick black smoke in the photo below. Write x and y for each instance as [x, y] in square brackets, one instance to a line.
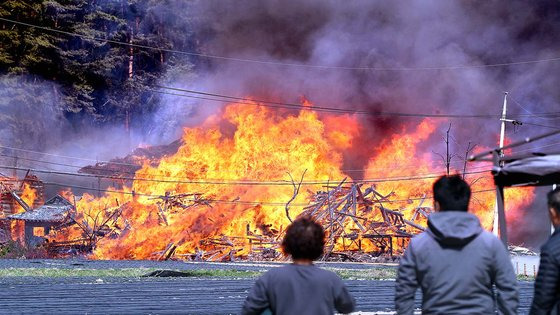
[405, 56]
[382, 56]
[399, 37]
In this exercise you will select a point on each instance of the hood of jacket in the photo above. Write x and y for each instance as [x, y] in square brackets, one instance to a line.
[453, 228]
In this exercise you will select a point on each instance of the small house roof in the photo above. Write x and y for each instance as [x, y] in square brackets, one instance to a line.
[55, 210]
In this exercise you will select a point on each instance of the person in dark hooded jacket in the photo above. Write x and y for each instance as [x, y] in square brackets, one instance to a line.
[547, 285]
[455, 262]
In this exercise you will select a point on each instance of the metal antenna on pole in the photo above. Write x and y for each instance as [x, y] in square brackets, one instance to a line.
[503, 119]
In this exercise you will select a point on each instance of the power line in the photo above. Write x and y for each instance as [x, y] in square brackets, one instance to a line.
[168, 176]
[232, 183]
[287, 64]
[539, 125]
[265, 103]
[49, 162]
[174, 177]
[529, 112]
[66, 156]
[114, 177]
[254, 203]
[288, 105]
[438, 163]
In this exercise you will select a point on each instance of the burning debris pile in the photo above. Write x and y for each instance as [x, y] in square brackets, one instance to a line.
[221, 192]
[280, 87]
[25, 218]
[170, 204]
[351, 217]
[358, 227]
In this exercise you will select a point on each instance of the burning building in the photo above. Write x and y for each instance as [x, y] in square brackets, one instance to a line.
[328, 93]
[38, 222]
[230, 193]
[15, 197]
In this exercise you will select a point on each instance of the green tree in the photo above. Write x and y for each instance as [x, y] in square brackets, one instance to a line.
[23, 49]
[99, 80]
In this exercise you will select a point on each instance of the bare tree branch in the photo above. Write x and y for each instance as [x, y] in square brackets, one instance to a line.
[296, 192]
[447, 156]
[467, 152]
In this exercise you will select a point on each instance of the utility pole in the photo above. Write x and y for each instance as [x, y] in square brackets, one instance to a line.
[496, 227]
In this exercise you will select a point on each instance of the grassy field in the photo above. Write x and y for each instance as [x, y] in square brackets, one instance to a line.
[348, 274]
[365, 274]
[122, 272]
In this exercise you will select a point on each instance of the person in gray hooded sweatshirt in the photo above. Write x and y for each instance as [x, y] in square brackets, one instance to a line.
[455, 262]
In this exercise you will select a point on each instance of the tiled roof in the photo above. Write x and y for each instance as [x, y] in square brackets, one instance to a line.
[55, 210]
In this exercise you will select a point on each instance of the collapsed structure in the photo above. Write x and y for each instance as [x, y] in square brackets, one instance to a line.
[25, 217]
[222, 197]
[360, 222]
[12, 193]
[351, 216]
[56, 213]
[357, 219]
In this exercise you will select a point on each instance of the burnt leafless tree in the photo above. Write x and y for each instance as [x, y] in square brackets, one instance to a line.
[448, 156]
[296, 192]
[97, 224]
[467, 153]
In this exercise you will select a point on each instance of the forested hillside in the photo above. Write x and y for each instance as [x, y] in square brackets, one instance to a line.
[88, 78]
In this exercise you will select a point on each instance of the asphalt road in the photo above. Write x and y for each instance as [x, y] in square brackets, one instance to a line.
[86, 295]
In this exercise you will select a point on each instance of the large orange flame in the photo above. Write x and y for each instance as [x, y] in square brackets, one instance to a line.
[254, 144]
[28, 195]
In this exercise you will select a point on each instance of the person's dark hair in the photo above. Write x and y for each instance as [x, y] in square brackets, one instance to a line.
[304, 239]
[553, 198]
[452, 193]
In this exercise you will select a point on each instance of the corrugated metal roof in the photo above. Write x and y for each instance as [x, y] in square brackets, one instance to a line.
[531, 171]
[55, 210]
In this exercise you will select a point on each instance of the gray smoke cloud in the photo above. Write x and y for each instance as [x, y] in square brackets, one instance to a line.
[386, 35]
[28, 108]
[35, 134]
[394, 37]
[399, 40]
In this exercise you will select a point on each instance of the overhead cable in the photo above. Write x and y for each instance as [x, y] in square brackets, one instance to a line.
[242, 202]
[266, 103]
[231, 182]
[286, 64]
